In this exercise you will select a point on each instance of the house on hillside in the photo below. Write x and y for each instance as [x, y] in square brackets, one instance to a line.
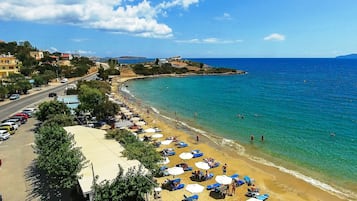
[8, 65]
[38, 55]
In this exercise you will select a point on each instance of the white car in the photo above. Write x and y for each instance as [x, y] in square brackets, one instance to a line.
[4, 135]
[14, 125]
[64, 80]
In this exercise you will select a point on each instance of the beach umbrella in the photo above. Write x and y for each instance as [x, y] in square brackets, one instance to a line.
[128, 113]
[253, 199]
[223, 179]
[157, 135]
[135, 119]
[175, 171]
[194, 188]
[202, 165]
[186, 155]
[166, 142]
[150, 130]
[140, 123]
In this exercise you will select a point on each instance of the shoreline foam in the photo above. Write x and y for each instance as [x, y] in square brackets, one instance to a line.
[241, 151]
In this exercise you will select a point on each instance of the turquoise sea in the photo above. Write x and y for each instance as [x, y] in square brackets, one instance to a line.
[306, 109]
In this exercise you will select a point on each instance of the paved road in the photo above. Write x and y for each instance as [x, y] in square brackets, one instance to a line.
[17, 105]
[16, 153]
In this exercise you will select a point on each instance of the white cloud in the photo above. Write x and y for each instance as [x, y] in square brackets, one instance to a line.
[139, 19]
[80, 52]
[53, 49]
[183, 3]
[275, 37]
[78, 40]
[208, 41]
[225, 16]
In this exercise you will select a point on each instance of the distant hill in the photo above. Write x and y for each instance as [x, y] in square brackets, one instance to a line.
[349, 56]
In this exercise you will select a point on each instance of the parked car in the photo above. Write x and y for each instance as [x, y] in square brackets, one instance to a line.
[52, 94]
[14, 96]
[30, 111]
[8, 128]
[12, 124]
[22, 119]
[4, 135]
[22, 114]
[64, 80]
[16, 121]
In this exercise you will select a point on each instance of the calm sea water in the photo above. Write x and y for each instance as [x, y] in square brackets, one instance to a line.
[295, 103]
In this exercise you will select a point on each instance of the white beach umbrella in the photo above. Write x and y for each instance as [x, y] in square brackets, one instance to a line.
[135, 119]
[157, 135]
[140, 123]
[128, 113]
[150, 130]
[166, 142]
[194, 188]
[253, 199]
[223, 179]
[186, 155]
[175, 171]
[202, 165]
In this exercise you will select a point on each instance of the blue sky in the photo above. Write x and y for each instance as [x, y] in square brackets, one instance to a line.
[189, 28]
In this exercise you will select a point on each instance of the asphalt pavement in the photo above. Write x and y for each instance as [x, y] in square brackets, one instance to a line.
[18, 180]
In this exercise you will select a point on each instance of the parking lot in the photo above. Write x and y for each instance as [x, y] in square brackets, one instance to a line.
[17, 155]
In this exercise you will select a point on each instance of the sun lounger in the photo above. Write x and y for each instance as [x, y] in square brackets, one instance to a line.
[178, 187]
[239, 182]
[202, 177]
[168, 152]
[181, 144]
[247, 180]
[184, 166]
[216, 164]
[262, 197]
[191, 198]
[213, 186]
[196, 153]
[234, 176]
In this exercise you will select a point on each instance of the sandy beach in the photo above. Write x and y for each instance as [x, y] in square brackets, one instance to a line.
[279, 185]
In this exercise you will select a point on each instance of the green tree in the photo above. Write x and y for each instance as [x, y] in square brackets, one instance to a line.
[89, 98]
[57, 157]
[50, 108]
[129, 187]
[3, 92]
[24, 86]
[106, 110]
[60, 120]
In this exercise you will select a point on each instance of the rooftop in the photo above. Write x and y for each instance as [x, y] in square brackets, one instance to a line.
[103, 154]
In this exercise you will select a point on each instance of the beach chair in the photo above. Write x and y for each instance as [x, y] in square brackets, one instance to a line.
[213, 186]
[178, 187]
[239, 182]
[181, 144]
[191, 198]
[184, 166]
[168, 152]
[247, 180]
[234, 176]
[262, 197]
[216, 164]
[196, 153]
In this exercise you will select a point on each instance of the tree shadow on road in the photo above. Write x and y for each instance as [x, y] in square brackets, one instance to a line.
[40, 186]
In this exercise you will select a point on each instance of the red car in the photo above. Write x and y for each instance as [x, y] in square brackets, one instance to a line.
[26, 116]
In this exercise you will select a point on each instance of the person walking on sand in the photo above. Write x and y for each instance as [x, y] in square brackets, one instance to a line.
[233, 188]
[197, 138]
[224, 168]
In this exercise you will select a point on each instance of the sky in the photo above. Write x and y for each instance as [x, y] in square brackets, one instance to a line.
[186, 28]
